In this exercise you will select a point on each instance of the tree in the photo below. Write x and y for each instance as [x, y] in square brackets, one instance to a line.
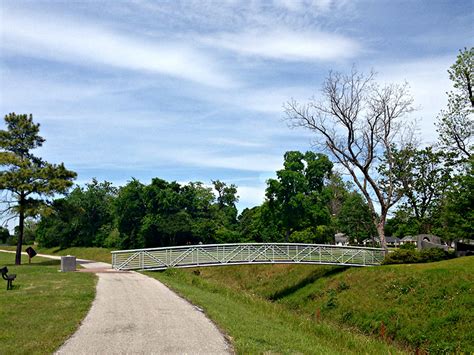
[4, 235]
[425, 175]
[85, 218]
[129, 211]
[295, 196]
[455, 124]
[359, 124]
[225, 212]
[27, 178]
[355, 219]
[456, 213]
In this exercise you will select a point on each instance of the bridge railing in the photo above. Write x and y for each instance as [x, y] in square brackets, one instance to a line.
[250, 253]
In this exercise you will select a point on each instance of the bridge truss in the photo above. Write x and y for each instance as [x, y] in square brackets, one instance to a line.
[238, 254]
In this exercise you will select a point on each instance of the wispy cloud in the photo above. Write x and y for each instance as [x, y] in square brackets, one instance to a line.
[287, 44]
[85, 43]
[428, 80]
[258, 162]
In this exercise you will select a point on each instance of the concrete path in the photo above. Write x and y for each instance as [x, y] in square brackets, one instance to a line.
[136, 314]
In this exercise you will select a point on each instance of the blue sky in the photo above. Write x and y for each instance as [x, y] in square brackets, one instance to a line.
[193, 90]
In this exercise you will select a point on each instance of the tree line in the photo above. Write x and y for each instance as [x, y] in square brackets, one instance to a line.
[397, 186]
[306, 202]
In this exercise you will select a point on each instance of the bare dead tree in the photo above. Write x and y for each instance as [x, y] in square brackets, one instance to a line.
[359, 124]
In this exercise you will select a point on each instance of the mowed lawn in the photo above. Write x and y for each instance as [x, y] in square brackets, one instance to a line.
[96, 254]
[45, 306]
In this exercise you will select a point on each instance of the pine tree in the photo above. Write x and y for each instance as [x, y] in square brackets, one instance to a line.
[27, 179]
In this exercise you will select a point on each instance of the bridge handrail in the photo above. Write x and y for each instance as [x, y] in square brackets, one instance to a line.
[239, 244]
[244, 253]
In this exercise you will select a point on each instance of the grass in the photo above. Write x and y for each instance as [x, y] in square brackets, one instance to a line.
[97, 254]
[428, 307]
[45, 306]
[256, 325]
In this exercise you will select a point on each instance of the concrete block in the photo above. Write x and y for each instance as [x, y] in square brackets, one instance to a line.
[68, 263]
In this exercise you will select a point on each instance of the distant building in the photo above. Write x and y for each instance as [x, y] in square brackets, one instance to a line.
[409, 239]
[391, 241]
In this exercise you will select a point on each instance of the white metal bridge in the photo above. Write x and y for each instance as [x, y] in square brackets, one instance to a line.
[249, 253]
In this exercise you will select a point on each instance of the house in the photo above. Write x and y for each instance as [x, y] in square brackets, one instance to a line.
[391, 241]
[409, 239]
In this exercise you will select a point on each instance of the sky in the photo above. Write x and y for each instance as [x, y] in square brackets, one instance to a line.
[194, 90]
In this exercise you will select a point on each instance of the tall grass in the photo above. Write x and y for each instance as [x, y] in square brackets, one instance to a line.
[256, 325]
[425, 306]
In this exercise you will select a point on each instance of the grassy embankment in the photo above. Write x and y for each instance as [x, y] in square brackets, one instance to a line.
[97, 254]
[256, 325]
[45, 306]
[309, 309]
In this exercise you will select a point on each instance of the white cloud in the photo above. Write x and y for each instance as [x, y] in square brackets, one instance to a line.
[429, 82]
[302, 5]
[287, 44]
[250, 196]
[248, 143]
[85, 44]
[243, 162]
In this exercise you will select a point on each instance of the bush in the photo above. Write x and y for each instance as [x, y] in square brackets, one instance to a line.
[413, 256]
[408, 246]
[402, 256]
[435, 254]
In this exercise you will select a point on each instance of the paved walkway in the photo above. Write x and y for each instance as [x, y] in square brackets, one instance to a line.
[136, 314]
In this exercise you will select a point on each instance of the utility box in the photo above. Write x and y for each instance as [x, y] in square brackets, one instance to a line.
[68, 263]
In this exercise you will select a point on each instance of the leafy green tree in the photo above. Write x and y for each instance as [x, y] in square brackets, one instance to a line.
[225, 212]
[84, 218]
[455, 124]
[355, 218]
[403, 223]
[29, 232]
[27, 178]
[295, 197]
[456, 213]
[259, 224]
[426, 175]
[130, 209]
[4, 235]
[337, 190]
[322, 234]
[96, 201]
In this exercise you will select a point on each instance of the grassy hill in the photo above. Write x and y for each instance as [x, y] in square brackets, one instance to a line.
[425, 306]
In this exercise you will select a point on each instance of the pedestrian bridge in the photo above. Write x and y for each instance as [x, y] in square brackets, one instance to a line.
[248, 253]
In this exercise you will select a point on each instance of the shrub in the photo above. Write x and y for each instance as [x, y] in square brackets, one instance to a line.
[402, 256]
[413, 256]
[435, 254]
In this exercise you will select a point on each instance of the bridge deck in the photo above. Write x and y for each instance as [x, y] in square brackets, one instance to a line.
[250, 253]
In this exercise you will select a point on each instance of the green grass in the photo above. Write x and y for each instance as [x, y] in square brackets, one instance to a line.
[45, 306]
[97, 254]
[256, 325]
[425, 306]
